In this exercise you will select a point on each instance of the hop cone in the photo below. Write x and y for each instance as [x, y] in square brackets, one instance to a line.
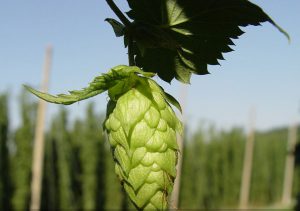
[142, 128]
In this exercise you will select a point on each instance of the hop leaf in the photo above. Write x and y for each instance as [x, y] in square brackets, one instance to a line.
[176, 38]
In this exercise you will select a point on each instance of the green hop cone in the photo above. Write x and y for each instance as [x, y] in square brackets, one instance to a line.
[141, 129]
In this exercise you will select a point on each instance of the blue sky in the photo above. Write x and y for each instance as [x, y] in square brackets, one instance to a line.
[263, 71]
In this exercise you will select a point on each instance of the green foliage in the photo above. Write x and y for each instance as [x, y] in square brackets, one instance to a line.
[194, 158]
[50, 196]
[22, 158]
[270, 166]
[93, 167]
[61, 137]
[72, 172]
[176, 38]
[296, 184]
[222, 169]
[212, 167]
[233, 146]
[214, 160]
[5, 183]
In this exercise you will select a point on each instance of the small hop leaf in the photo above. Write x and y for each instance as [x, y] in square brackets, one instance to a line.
[118, 27]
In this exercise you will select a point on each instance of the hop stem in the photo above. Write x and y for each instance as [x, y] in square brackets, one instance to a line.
[127, 23]
[130, 52]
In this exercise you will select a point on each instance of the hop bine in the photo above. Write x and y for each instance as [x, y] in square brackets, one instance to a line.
[141, 128]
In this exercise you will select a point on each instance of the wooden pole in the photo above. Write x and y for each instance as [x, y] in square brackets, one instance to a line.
[289, 166]
[247, 167]
[38, 147]
[176, 190]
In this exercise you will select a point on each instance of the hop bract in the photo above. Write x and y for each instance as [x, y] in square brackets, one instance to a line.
[142, 128]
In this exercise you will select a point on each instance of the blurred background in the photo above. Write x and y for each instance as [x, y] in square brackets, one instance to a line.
[240, 143]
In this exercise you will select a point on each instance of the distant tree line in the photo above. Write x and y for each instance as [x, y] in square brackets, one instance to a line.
[79, 171]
